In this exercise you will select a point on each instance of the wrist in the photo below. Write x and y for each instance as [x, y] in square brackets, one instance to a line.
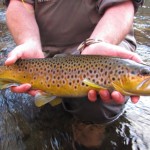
[88, 43]
[34, 42]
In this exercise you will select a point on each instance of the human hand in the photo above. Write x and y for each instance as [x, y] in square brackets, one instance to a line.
[107, 49]
[27, 50]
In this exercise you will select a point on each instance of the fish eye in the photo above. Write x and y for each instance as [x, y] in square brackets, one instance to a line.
[145, 72]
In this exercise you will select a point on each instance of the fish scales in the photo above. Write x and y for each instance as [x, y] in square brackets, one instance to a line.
[63, 76]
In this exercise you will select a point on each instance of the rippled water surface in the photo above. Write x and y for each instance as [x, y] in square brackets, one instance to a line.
[23, 126]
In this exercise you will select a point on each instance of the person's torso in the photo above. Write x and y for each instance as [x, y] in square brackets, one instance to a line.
[65, 22]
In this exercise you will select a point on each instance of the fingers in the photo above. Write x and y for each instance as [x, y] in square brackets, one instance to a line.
[135, 99]
[117, 97]
[129, 55]
[33, 92]
[24, 88]
[13, 56]
[26, 50]
[105, 96]
[107, 49]
[92, 95]
[113, 97]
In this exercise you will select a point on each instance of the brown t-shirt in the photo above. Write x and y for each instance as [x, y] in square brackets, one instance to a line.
[64, 24]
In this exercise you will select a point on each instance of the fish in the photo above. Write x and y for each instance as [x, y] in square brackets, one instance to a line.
[74, 76]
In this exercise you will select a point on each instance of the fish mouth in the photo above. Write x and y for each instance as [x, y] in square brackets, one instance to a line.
[144, 85]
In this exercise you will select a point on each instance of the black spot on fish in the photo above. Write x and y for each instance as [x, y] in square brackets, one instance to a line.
[47, 78]
[109, 68]
[93, 80]
[113, 78]
[122, 71]
[84, 76]
[119, 72]
[94, 71]
[83, 84]
[65, 73]
[90, 71]
[111, 72]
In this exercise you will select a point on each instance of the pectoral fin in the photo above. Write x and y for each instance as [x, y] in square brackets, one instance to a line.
[42, 98]
[6, 83]
[93, 85]
[120, 89]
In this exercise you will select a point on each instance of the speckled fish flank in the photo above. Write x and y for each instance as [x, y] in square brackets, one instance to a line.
[74, 76]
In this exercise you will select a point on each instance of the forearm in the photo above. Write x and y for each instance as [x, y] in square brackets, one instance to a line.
[21, 23]
[115, 23]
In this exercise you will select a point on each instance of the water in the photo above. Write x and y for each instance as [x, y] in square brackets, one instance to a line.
[23, 126]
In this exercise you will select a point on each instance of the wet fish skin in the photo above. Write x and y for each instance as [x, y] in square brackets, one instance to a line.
[74, 76]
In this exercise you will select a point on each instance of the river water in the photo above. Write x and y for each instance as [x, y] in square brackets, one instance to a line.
[23, 126]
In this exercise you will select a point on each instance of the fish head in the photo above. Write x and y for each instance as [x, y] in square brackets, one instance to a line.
[135, 80]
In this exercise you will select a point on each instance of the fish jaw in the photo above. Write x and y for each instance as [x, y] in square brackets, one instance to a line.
[138, 86]
[144, 87]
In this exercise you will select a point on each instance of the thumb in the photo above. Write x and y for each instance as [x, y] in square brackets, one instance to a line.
[13, 56]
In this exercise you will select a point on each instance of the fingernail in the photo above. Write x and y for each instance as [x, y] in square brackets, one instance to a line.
[28, 86]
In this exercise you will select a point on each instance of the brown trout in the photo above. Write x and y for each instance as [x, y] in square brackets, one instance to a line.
[74, 76]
